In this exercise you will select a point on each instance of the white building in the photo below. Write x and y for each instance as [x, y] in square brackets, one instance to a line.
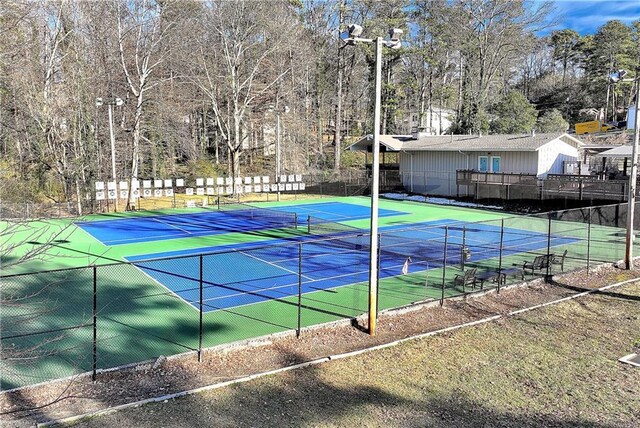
[428, 164]
[435, 121]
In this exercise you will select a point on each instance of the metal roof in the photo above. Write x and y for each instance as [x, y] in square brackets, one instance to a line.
[617, 152]
[469, 143]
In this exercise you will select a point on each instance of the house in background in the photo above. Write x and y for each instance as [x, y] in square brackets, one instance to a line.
[436, 121]
[428, 164]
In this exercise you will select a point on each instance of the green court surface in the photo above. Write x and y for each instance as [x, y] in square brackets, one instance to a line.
[138, 317]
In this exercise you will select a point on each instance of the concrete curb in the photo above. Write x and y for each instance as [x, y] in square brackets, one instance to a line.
[328, 358]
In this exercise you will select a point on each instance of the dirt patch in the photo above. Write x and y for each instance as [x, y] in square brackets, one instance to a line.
[169, 375]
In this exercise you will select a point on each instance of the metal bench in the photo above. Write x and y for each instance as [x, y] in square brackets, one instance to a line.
[538, 264]
[499, 277]
[466, 278]
[559, 260]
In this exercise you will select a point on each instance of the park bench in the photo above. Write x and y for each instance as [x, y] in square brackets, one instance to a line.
[559, 260]
[538, 264]
[466, 278]
[499, 277]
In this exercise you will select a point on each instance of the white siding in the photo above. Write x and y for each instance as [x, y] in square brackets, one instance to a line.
[552, 155]
[434, 173]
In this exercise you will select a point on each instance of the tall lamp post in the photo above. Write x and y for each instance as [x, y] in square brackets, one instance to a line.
[111, 102]
[285, 110]
[616, 77]
[355, 31]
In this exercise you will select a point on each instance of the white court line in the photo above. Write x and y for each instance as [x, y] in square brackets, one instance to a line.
[138, 239]
[295, 284]
[342, 217]
[171, 292]
[309, 256]
[171, 225]
[270, 263]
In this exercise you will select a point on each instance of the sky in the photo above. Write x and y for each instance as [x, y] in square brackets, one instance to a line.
[586, 16]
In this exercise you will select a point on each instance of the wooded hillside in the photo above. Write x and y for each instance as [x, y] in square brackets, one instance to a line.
[208, 86]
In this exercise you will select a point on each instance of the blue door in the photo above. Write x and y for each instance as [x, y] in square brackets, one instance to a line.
[495, 163]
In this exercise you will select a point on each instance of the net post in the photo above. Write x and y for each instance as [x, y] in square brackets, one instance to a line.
[500, 256]
[200, 314]
[94, 350]
[295, 220]
[309, 224]
[589, 241]
[444, 262]
[298, 330]
[547, 276]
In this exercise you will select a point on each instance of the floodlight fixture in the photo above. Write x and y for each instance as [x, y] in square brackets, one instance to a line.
[395, 34]
[617, 76]
[355, 30]
[99, 102]
[119, 101]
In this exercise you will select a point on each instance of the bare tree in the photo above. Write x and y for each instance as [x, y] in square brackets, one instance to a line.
[242, 42]
[141, 31]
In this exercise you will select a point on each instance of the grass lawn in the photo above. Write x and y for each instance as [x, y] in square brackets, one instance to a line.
[555, 366]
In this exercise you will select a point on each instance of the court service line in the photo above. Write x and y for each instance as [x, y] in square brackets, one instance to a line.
[270, 263]
[172, 225]
[137, 239]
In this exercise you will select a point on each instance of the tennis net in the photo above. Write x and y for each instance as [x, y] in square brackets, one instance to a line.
[423, 245]
[266, 216]
[321, 227]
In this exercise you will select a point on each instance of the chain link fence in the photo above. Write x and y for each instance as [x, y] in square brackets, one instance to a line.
[62, 323]
[343, 183]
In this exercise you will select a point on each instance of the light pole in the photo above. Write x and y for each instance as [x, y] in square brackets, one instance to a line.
[278, 152]
[278, 156]
[354, 36]
[111, 102]
[615, 77]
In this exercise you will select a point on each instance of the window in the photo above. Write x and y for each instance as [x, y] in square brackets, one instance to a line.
[495, 164]
[483, 163]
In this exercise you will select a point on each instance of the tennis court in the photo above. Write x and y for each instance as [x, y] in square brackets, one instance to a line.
[228, 275]
[220, 220]
[259, 273]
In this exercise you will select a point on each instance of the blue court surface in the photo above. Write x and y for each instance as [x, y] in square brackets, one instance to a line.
[263, 273]
[156, 228]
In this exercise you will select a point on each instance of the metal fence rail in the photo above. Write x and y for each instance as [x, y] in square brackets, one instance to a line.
[64, 322]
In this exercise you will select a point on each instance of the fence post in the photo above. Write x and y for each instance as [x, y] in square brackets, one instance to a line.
[500, 256]
[589, 241]
[299, 290]
[547, 276]
[378, 278]
[201, 304]
[444, 262]
[463, 248]
[94, 356]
